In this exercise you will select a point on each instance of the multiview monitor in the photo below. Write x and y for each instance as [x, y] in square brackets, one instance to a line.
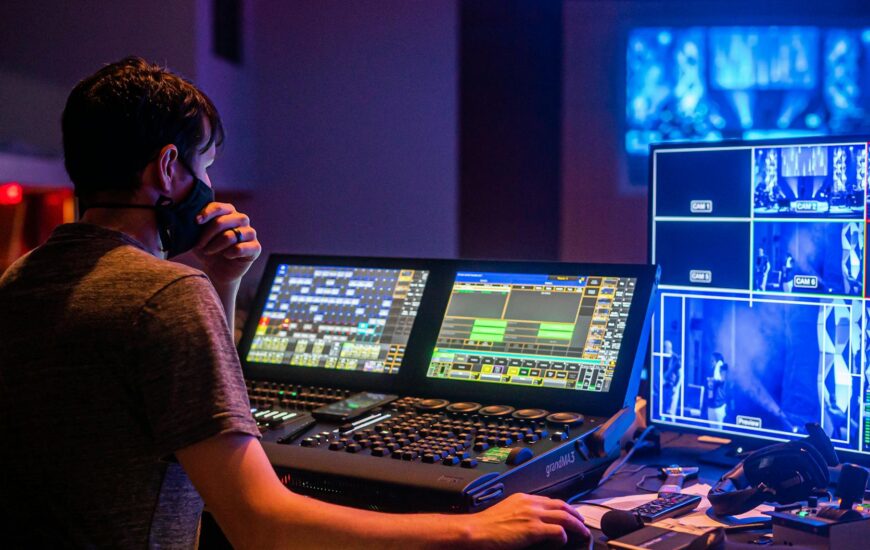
[762, 321]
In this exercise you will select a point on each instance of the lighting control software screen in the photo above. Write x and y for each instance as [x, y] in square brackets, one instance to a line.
[553, 331]
[349, 318]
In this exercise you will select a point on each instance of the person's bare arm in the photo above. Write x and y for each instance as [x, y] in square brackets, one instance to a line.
[240, 488]
[227, 249]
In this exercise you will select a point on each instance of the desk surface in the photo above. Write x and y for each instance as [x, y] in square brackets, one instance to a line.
[680, 449]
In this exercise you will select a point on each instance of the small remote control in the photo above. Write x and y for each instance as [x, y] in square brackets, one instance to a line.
[668, 505]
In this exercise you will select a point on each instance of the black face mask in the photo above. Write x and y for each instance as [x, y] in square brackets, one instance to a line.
[176, 222]
[179, 231]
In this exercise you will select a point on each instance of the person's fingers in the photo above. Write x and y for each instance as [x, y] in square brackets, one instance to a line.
[211, 240]
[562, 505]
[213, 210]
[550, 532]
[244, 250]
[566, 520]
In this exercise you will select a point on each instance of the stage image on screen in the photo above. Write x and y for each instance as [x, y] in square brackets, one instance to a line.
[788, 343]
[809, 258]
[552, 331]
[766, 367]
[348, 318]
[810, 181]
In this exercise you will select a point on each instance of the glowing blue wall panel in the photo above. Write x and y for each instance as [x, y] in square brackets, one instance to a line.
[714, 83]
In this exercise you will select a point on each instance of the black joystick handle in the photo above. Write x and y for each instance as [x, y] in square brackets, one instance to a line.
[851, 485]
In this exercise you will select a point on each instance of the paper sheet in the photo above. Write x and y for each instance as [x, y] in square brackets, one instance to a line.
[697, 519]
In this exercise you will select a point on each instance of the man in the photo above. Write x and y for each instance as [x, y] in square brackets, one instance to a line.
[672, 378]
[716, 398]
[121, 395]
[788, 274]
[762, 268]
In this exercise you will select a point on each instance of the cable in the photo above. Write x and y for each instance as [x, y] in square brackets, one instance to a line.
[593, 503]
[639, 468]
[621, 462]
[640, 484]
[614, 468]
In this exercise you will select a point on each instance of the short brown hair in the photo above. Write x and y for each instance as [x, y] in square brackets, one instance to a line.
[116, 121]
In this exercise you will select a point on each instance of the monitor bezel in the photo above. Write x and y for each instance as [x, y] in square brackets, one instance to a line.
[412, 377]
[824, 139]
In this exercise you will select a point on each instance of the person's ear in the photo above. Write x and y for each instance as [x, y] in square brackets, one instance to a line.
[167, 165]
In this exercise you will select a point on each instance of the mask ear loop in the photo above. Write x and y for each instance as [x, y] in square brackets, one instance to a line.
[163, 204]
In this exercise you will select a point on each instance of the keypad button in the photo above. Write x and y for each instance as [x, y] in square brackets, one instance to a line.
[380, 451]
[468, 463]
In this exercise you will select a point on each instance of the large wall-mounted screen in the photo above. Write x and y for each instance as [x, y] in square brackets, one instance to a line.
[708, 83]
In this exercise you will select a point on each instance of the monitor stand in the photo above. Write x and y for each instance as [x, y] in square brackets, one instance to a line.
[730, 454]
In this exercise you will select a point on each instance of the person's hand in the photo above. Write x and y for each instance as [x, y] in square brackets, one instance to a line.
[228, 245]
[522, 520]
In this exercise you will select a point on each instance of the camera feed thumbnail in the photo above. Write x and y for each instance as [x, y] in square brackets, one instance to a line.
[810, 181]
[809, 257]
[703, 183]
[764, 368]
[708, 254]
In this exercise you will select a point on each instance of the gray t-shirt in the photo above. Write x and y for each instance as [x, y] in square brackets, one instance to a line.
[110, 361]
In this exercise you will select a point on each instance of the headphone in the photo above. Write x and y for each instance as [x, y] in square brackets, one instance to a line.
[782, 473]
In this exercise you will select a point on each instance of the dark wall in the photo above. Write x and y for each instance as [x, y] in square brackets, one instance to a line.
[356, 111]
[510, 105]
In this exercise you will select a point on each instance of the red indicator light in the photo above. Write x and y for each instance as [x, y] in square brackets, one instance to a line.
[11, 193]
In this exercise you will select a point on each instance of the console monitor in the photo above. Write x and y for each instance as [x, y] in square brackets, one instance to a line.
[337, 317]
[533, 330]
[762, 320]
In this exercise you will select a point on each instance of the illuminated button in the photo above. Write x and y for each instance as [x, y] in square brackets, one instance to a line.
[558, 436]
[308, 442]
